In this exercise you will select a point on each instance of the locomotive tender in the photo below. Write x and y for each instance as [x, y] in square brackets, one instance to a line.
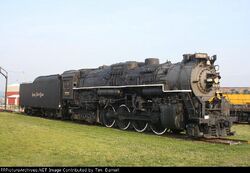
[140, 95]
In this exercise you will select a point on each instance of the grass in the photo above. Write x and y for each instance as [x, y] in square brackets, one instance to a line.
[32, 141]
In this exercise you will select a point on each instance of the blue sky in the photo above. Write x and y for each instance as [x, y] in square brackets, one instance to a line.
[44, 37]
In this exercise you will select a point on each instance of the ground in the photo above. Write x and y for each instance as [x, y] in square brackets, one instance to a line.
[33, 141]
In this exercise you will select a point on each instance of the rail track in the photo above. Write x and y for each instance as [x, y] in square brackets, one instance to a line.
[214, 140]
[225, 141]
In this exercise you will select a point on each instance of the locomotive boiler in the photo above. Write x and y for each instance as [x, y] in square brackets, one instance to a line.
[139, 95]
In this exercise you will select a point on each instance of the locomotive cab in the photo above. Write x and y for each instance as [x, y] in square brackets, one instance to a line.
[70, 80]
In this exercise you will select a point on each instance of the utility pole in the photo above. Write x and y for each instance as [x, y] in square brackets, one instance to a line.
[5, 74]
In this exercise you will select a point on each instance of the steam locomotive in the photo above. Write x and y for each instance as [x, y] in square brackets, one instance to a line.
[167, 97]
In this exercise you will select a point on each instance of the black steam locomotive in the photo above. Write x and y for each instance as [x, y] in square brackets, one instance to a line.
[140, 95]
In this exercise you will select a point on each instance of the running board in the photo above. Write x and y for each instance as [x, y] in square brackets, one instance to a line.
[134, 86]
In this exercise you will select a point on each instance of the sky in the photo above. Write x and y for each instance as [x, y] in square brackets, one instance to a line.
[46, 37]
